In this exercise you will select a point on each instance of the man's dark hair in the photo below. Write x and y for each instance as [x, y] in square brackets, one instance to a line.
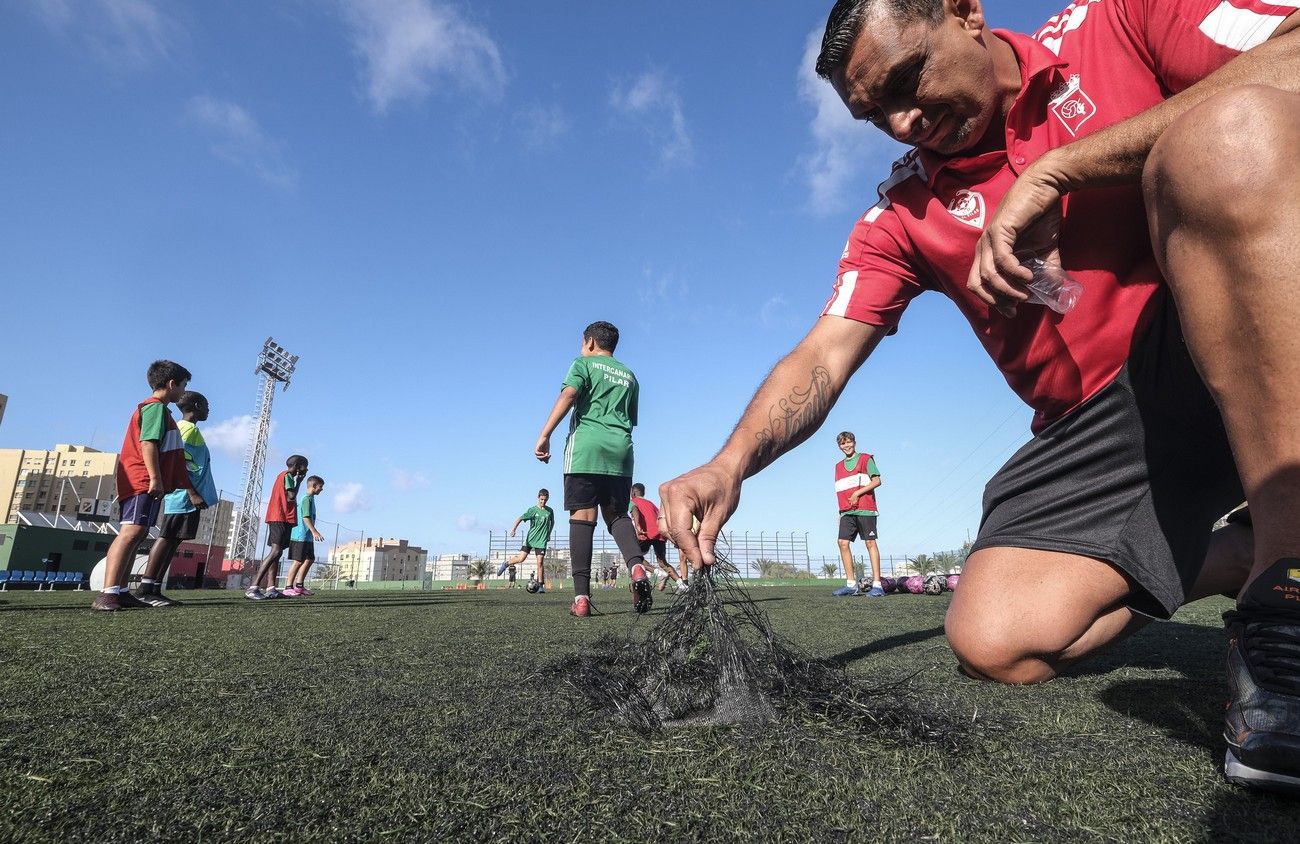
[542, 492]
[604, 333]
[294, 460]
[844, 25]
[316, 479]
[190, 400]
[639, 489]
[162, 371]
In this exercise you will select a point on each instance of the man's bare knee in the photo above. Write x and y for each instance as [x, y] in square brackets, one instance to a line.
[1217, 154]
[844, 543]
[996, 653]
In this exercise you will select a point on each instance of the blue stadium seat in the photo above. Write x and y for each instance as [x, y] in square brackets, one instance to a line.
[78, 578]
[39, 579]
[29, 577]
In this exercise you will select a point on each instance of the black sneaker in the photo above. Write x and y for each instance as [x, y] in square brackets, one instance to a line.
[642, 592]
[1262, 722]
[128, 601]
[153, 596]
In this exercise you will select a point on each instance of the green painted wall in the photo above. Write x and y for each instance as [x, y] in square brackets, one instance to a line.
[22, 548]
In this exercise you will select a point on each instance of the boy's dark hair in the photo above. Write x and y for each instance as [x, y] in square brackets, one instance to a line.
[316, 479]
[604, 333]
[162, 371]
[294, 460]
[542, 492]
[639, 489]
[190, 400]
[845, 436]
[844, 25]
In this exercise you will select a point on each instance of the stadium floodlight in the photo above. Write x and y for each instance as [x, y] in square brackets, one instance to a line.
[274, 366]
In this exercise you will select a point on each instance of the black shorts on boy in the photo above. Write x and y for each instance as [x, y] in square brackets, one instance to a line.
[582, 491]
[180, 526]
[852, 526]
[302, 552]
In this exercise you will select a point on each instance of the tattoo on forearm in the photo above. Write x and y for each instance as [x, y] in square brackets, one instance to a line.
[792, 418]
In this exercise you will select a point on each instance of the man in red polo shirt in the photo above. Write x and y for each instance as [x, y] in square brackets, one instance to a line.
[1126, 141]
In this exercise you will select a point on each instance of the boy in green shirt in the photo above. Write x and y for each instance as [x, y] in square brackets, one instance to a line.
[541, 520]
[602, 393]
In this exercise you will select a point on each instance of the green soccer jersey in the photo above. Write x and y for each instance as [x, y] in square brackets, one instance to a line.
[851, 463]
[600, 429]
[540, 522]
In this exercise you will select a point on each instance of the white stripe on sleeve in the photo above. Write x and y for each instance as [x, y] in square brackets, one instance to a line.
[840, 304]
[1242, 29]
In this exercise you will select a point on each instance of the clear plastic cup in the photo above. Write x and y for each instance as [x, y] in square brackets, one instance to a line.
[1051, 286]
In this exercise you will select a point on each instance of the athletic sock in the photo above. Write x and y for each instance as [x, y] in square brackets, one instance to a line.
[581, 535]
[624, 533]
[147, 581]
[876, 584]
[848, 582]
[112, 590]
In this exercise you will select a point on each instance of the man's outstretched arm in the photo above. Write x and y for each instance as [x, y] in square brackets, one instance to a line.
[788, 407]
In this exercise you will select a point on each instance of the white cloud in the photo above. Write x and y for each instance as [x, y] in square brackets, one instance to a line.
[126, 34]
[231, 435]
[658, 287]
[542, 127]
[651, 98]
[466, 522]
[349, 497]
[411, 47]
[239, 139]
[844, 149]
[774, 312]
[405, 481]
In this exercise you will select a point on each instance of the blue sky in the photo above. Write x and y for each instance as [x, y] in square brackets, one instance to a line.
[427, 201]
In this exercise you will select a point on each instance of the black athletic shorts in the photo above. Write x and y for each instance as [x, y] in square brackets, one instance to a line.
[1136, 476]
[613, 492]
[277, 533]
[511, 571]
[180, 525]
[660, 547]
[302, 552]
[851, 527]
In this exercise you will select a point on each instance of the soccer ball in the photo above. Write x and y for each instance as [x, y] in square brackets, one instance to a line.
[533, 586]
[934, 584]
[887, 583]
[952, 581]
[914, 584]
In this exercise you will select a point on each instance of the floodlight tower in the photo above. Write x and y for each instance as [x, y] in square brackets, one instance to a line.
[274, 366]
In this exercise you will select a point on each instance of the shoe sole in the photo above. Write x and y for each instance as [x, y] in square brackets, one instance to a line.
[1240, 773]
[642, 594]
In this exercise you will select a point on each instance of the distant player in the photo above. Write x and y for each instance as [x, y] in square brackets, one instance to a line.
[281, 516]
[303, 539]
[541, 521]
[646, 517]
[856, 479]
[602, 393]
[180, 519]
[151, 465]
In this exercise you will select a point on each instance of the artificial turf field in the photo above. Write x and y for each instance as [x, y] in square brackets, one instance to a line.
[428, 716]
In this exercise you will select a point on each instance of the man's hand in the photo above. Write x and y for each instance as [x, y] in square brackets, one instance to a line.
[316, 534]
[197, 500]
[1028, 220]
[512, 533]
[155, 488]
[542, 451]
[709, 494]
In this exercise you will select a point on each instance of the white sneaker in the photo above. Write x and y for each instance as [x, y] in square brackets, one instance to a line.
[255, 594]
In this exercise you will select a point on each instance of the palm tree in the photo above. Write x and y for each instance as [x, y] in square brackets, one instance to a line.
[478, 569]
[556, 569]
[829, 569]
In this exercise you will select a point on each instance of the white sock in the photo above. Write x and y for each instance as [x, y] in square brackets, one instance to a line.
[112, 590]
[875, 584]
[850, 582]
[147, 581]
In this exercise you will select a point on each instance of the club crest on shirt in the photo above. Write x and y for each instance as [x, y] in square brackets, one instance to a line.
[1293, 574]
[1071, 105]
[968, 207]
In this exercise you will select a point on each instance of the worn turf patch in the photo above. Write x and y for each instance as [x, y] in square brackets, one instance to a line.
[713, 659]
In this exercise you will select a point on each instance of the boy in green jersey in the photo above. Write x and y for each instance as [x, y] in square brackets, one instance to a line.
[541, 521]
[602, 393]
